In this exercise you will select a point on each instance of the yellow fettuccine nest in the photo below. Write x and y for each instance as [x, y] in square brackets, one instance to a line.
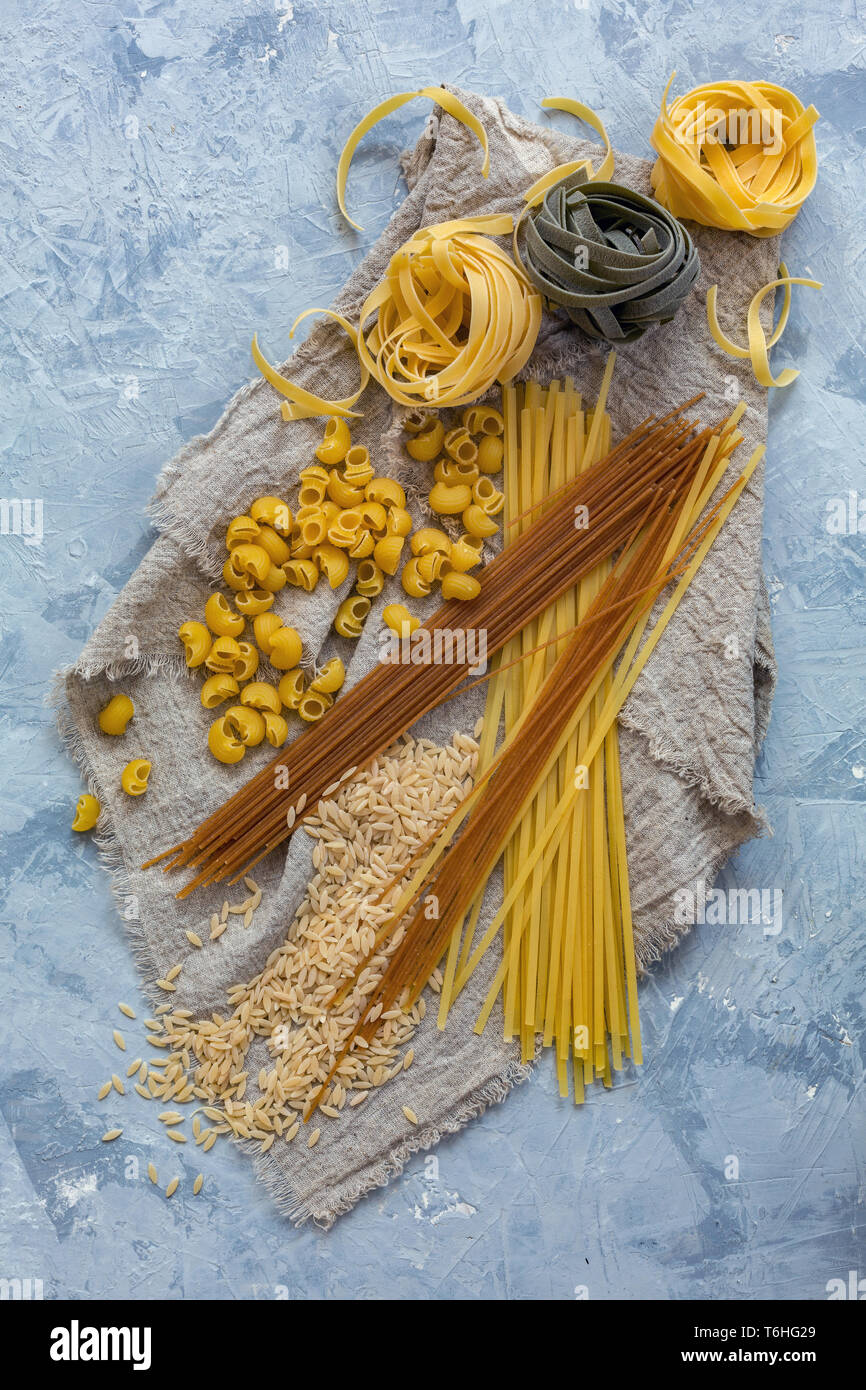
[454, 314]
[735, 155]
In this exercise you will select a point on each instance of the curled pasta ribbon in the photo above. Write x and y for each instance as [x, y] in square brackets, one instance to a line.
[441, 97]
[617, 262]
[454, 314]
[534, 195]
[759, 345]
[735, 155]
[301, 404]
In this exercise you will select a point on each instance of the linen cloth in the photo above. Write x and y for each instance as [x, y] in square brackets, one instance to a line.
[689, 732]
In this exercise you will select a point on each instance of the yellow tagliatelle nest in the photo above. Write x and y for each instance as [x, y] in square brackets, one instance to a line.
[454, 314]
[735, 155]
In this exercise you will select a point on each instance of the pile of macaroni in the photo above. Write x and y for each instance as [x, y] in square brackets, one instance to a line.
[465, 457]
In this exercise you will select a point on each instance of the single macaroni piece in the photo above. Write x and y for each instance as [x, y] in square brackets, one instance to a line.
[223, 654]
[343, 531]
[196, 641]
[274, 580]
[217, 689]
[387, 552]
[459, 446]
[397, 617]
[417, 421]
[448, 500]
[350, 618]
[251, 559]
[477, 522]
[358, 470]
[452, 472]
[313, 704]
[242, 530]
[413, 581]
[488, 498]
[425, 446]
[313, 484]
[491, 452]
[430, 539]
[246, 724]
[133, 778]
[461, 586]
[117, 714]
[343, 493]
[304, 574]
[291, 688]
[330, 678]
[87, 810]
[263, 696]
[398, 523]
[234, 577]
[465, 554]
[224, 743]
[336, 443]
[220, 618]
[251, 602]
[387, 491]
[274, 544]
[273, 511]
[313, 526]
[333, 563]
[431, 566]
[276, 729]
[363, 545]
[370, 580]
[247, 663]
[286, 649]
[483, 419]
[373, 516]
[264, 627]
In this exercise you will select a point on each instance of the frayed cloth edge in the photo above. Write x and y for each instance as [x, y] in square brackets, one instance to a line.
[379, 1175]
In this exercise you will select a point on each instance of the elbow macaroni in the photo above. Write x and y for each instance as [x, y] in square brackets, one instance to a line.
[351, 615]
[116, 715]
[87, 810]
[133, 778]
[330, 678]
[197, 643]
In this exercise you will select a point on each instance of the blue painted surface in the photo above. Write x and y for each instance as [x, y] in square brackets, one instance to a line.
[154, 158]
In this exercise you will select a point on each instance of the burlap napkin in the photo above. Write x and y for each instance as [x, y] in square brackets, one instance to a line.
[689, 733]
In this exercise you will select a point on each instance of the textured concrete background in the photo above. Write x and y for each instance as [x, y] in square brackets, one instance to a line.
[154, 158]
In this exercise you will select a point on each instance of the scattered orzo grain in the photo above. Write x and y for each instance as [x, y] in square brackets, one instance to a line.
[409, 1059]
[103, 1090]
[313, 1139]
[117, 1084]
[167, 985]
[133, 1066]
[176, 1135]
[365, 836]
[193, 938]
[142, 1091]
[217, 931]
[196, 1187]
[410, 1115]
[172, 1187]
[170, 1117]
[174, 971]
[151, 1172]
[119, 1039]
[125, 1009]
[111, 1134]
